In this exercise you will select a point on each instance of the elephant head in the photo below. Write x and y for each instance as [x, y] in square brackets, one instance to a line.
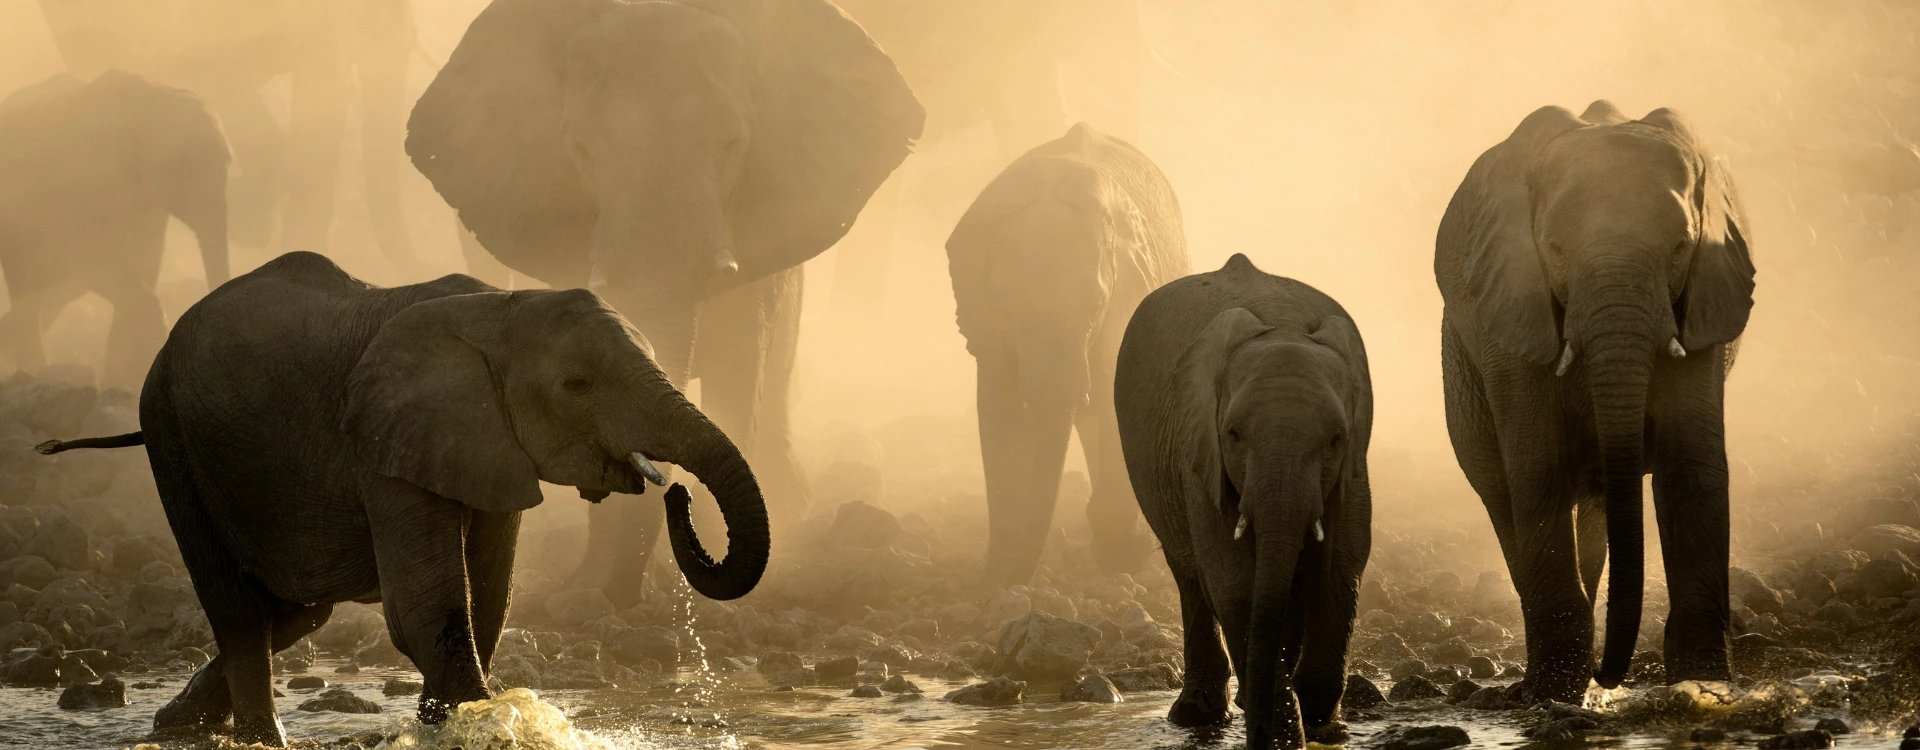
[479, 397]
[1276, 421]
[1611, 242]
[658, 152]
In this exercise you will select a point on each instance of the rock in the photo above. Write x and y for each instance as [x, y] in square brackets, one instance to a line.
[108, 693]
[1004, 605]
[862, 525]
[62, 542]
[399, 687]
[348, 627]
[76, 671]
[899, 684]
[1493, 698]
[133, 553]
[1462, 690]
[578, 607]
[1750, 590]
[340, 700]
[1832, 725]
[1040, 646]
[998, 691]
[1421, 738]
[30, 571]
[1888, 537]
[1408, 668]
[306, 683]
[1806, 738]
[32, 667]
[1453, 651]
[865, 691]
[1708, 734]
[1563, 729]
[1885, 577]
[637, 645]
[1481, 668]
[1091, 689]
[837, 670]
[1362, 693]
[1140, 679]
[1415, 688]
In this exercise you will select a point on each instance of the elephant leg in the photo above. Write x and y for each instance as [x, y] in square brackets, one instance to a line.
[1203, 690]
[491, 542]
[1553, 598]
[622, 532]
[419, 542]
[1691, 505]
[1023, 446]
[1590, 527]
[779, 468]
[138, 330]
[205, 701]
[1476, 441]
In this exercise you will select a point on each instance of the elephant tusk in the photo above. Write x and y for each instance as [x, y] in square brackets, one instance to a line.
[1566, 360]
[646, 469]
[1240, 529]
[597, 277]
[1319, 534]
[725, 264]
[1674, 349]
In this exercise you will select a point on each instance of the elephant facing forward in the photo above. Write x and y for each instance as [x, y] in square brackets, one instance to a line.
[89, 174]
[1047, 265]
[1246, 409]
[318, 440]
[1597, 278]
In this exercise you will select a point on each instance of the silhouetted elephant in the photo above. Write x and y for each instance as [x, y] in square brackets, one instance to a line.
[1245, 410]
[319, 440]
[89, 174]
[673, 156]
[1047, 267]
[1597, 278]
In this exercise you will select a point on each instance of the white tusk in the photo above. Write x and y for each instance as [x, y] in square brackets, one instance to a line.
[597, 277]
[1319, 534]
[1566, 360]
[646, 469]
[1674, 349]
[1240, 529]
[725, 264]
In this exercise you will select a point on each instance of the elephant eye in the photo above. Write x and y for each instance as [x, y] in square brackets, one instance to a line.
[1233, 435]
[577, 385]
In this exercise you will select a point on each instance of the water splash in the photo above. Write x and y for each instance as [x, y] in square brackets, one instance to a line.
[696, 709]
[514, 720]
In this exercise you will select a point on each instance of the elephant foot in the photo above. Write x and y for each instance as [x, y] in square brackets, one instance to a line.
[1199, 708]
[1331, 733]
[265, 731]
[203, 703]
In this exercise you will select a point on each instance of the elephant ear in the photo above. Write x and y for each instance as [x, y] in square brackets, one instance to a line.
[424, 405]
[833, 117]
[1486, 260]
[489, 133]
[1203, 392]
[1718, 296]
[1338, 333]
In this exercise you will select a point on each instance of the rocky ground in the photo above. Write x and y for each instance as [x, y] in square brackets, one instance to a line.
[93, 603]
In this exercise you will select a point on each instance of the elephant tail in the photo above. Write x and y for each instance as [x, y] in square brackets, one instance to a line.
[115, 441]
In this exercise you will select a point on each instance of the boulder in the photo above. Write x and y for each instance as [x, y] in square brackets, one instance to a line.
[1091, 689]
[62, 542]
[340, 700]
[1040, 646]
[859, 524]
[28, 667]
[998, 691]
[1481, 668]
[837, 670]
[1415, 688]
[30, 571]
[109, 692]
[1362, 693]
[865, 691]
[1159, 676]
[899, 684]
[1420, 738]
[1806, 738]
[398, 687]
[307, 682]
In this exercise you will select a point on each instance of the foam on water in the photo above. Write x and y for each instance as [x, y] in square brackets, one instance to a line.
[514, 720]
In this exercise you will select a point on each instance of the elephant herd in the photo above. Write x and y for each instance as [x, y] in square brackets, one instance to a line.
[316, 439]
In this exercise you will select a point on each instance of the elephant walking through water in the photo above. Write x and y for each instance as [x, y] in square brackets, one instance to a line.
[1047, 265]
[1597, 278]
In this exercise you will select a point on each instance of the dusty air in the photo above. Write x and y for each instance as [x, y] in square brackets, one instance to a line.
[913, 374]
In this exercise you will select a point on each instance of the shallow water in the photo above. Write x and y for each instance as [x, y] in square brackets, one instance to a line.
[759, 716]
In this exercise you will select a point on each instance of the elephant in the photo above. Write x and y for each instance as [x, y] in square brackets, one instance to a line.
[1245, 409]
[1047, 265]
[338, 57]
[316, 439]
[682, 159]
[89, 173]
[1597, 278]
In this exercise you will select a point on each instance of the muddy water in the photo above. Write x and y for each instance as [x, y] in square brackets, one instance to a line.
[755, 715]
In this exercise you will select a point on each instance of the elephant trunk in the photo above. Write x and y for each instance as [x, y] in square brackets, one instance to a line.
[1621, 331]
[700, 447]
[1279, 534]
[1023, 448]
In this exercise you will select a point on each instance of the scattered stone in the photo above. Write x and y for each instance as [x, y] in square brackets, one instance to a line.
[838, 669]
[1832, 725]
[1362, 693]
[1421, 738]
[340, 700]
[1462, 690]
[307, 682]
[1091, 689]
[998, 691]
[1041, 646]
[1415, 688]
[1481, 668]
[1806, 738]
[399, 687]
[865, 691]
[1141, 679]
[899, 684]
[108, 693]
[1708, 734]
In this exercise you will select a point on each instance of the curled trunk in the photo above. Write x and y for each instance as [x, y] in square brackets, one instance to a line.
[715, 461]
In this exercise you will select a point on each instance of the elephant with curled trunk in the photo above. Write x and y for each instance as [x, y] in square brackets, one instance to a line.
[1245, 410]
[682, 159]
[1597, 279]
[90, 172]
[1048, 264]
[318, 440]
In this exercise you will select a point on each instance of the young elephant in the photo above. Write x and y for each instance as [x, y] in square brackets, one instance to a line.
[89, 173]
[1245, 410]
[1048, 264]
[1597, 278]
[318, 440]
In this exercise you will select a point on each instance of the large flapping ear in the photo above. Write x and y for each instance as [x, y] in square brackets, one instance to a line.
[489, 132]
[1486, 260]
[1338, 333]
[1718, 296]
[1203, 392]
[424, 404]
[832, 118]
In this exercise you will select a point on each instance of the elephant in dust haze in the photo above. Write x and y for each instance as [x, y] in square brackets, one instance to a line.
[1597, 278]
[1047, 265]
[1245, 410]
[682, 159]
[338, 58]
[89, 173]
[319, 440]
